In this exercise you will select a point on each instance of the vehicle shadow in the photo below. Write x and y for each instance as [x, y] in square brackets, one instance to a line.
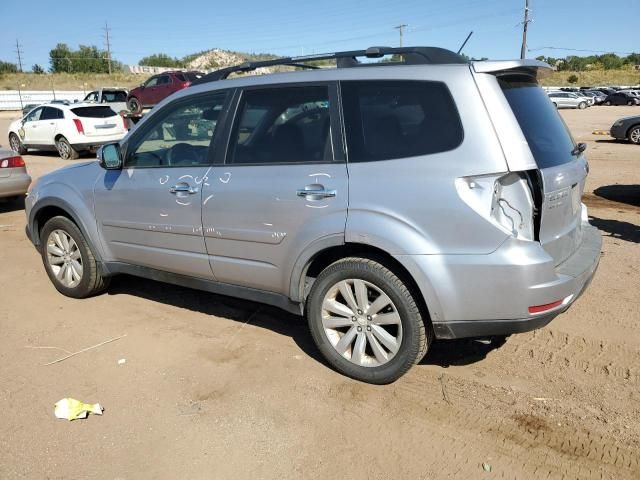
[617, 229]
[443, 353]
[11, 205]
[629, 194]
[465, 351]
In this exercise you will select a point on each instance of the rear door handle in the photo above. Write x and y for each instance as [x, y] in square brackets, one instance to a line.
[315, 191]
[183, 188]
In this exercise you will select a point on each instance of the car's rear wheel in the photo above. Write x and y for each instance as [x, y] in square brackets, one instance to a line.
[16, 144]
[366, 322]
[608, 103]
[630, 103]
[134, 105]
[65, 150]
[68, 259]
[582, 105]
[634, 135]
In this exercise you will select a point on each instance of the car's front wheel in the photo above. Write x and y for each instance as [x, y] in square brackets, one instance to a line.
[65, 150]
[16, 144]
[608, 103]
[634, 135]
[582, 105]
[366, 322]
[68, 260]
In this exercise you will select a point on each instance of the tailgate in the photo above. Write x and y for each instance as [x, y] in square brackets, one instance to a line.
[542, 146]
[99, 120]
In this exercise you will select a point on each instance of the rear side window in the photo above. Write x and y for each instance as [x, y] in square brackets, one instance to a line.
[549, 138]
[50, 113]
[192, 76]
[94, 112]
[386, 120]
[282, 125]
[114, 96]
[181, 77]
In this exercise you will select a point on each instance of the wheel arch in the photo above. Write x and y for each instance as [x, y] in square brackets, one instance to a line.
[628, 132]
[309, 266]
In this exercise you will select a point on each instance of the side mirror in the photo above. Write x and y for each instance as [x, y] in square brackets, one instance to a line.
[109, 156]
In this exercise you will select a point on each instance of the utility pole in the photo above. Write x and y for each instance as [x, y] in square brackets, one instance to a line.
[525, 25]
[19, 52]
[401, 28]
[108, 41]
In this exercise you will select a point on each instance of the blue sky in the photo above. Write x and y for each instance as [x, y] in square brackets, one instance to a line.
[292, 28]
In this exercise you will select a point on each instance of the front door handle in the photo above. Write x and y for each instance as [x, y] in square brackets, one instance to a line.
[183, 188]
[315, 191]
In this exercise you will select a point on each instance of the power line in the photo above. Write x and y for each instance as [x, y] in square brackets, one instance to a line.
[108, 42]
[19, 52]
[401, 28]
[525, 26]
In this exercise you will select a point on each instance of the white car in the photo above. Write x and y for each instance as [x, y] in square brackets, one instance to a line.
[567, 100]
[69, 129]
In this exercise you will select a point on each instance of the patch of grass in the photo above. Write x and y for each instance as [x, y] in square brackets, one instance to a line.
[593, 78]
[69, 81]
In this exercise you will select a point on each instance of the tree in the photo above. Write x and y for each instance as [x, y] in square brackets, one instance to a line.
[572, 79]
[37, 69]
[87, 59]
[161, 60]
[6, 67]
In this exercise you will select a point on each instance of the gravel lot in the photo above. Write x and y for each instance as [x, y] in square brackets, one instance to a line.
[215, 387]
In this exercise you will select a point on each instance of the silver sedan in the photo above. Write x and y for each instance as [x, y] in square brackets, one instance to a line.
[14, 179]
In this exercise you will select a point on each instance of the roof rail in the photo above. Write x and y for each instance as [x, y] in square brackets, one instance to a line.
[411, 56]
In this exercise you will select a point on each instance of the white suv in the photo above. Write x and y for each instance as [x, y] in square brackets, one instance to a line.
[69, 129]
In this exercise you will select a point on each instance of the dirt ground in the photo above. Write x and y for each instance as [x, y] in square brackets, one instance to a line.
[215, 387]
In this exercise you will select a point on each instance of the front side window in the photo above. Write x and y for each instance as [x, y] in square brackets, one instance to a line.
[152, 82]
[282, 125]
[91, 97]
[178, 135]
[391, 119]
[34, 116]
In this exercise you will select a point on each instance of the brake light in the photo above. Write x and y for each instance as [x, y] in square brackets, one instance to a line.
[12, 162]
[545, 307]
[124, 123]
[79, 126]
[186, 84]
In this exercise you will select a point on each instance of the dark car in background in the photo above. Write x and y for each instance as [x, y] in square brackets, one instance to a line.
[621, 98]
[627, 128]
[159, 87]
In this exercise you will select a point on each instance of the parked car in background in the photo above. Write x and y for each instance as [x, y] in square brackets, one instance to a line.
[28, 107]
[116, 98]
[597, 98]
[621, 98]
[627, 128]
[159, 87]
[568, 100]
[69, 129]
[448, 206]
[14, 179]
[587, 98]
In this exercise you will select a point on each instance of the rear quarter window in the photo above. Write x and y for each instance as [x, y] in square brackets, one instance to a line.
[548, 137]
[94, 112]
[390, 119]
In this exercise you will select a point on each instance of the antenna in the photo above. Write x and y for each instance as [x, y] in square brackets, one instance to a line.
[465, 42]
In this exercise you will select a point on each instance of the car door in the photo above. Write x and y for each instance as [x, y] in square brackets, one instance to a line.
[149, 213]
[149, 92]
[282, 187]
[164, 88]
[50, 124]
[30, 131]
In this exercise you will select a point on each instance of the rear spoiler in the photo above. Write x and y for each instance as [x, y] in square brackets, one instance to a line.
[494, 66]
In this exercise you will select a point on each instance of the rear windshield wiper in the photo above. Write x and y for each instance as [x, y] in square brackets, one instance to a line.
[578, 149]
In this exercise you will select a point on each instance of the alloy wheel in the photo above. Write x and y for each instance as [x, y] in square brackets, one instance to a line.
[64, 258]
[361, 322]
[15, 143]
[634, 135]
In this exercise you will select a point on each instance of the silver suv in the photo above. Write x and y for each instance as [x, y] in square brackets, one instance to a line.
[390, 202]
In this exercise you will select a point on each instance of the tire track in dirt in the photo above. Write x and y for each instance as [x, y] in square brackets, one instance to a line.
[554, 349]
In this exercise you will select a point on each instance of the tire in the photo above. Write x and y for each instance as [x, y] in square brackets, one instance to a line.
[65, 150]
[134, 105]
[70, 254]
[405, 334]
[634, 135]
[16, 144]
[582, 105]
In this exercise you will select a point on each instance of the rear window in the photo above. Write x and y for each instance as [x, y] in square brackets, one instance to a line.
[114, 96]
[94, 112]
[392, 119]
[192, 76]
[549, 138]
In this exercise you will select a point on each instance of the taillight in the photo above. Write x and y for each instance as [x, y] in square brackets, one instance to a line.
[12, 162]
[124, 123]
[79, 126]
[546, 307]
[186, 84]
[505, 199]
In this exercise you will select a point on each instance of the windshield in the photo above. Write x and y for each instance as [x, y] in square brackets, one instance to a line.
[549, 138]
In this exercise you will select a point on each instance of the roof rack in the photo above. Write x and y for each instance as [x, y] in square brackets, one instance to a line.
[411, 56]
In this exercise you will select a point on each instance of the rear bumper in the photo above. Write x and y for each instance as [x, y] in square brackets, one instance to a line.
[481, 295]
[16, 184]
